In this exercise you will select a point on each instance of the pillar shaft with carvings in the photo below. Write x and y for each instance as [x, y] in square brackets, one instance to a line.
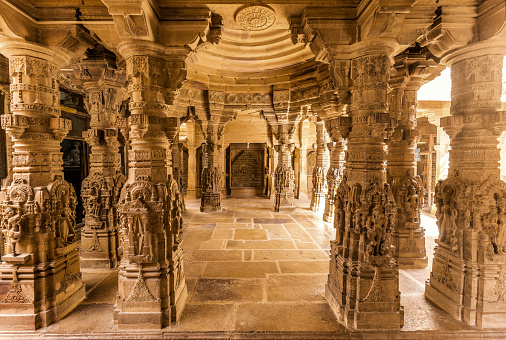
[103, 85]
[363, 284]
[177, 167]
[320, 187]
[469, 266]
[334, 176]
[40, 273]
[410, 71]
[284, 176]
[409, 236]
[210, 179]
[151, 284]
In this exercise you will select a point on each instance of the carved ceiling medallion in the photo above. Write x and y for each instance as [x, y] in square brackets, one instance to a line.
[255, 18]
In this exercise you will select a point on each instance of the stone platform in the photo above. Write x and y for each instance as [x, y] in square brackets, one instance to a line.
[256, 274]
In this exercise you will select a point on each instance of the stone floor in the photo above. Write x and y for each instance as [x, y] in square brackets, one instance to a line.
[256, 274]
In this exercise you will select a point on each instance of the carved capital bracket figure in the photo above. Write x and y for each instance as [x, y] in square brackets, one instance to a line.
[151, 284]
[41, 277]
[103, 84]
[470, 256]
[363, 283]
[320, 185]
[410, 71]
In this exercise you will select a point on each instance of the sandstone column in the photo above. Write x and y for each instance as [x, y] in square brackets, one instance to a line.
[177, 166]
[363, 284]
[40, 275]
[334, 175]
[210, 199]
[151, 284]
[192, 159]
[409, 73]
[284, 177]
[103, 84]
[320, 188]
[468, 272]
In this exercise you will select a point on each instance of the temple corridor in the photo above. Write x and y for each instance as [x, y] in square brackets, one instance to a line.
[249, 269]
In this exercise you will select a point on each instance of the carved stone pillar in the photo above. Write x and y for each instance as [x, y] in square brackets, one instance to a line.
[103, 85]
[410, 71]
[40, 278]
[409, 236]
[177, 167]
[151, 284]
[284, 176]
[468, 272]
[363, 284]
[211, 173]
[334, 176]
[320, 188]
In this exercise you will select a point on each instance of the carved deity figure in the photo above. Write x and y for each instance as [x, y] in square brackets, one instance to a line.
[93, 203]
[411, 205]
[376, 229]
[66, 220]
[339, 219]
[498, 235]
[14, 226]
[446, 218]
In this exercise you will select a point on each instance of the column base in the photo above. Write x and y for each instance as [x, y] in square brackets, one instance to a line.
[364, 297]
[210, 202]
[491, 304]
[317, 201]
[284, 202]
[410, 248]
[23, 307]
[444, 288]
[147, 305]
[328, 213]
[98, 249]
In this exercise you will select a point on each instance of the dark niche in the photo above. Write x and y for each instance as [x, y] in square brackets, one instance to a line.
[247, 167]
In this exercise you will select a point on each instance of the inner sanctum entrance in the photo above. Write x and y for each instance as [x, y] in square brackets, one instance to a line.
[247, 169]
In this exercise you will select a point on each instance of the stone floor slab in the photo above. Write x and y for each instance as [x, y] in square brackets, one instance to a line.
[239, 270]
[288, 317]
